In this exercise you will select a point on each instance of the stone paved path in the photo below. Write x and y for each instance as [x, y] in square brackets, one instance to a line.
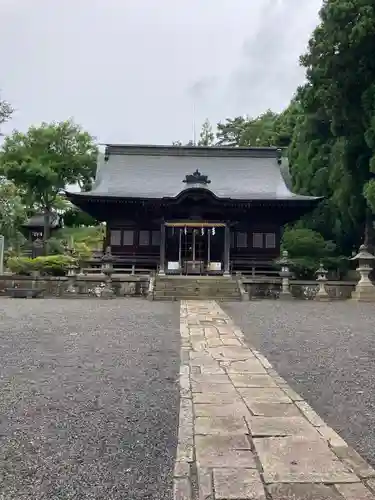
[244, 433]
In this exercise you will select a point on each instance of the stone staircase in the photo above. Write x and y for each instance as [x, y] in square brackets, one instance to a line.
[196, 287]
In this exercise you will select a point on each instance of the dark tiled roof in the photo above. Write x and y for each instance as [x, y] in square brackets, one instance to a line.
[159, 171]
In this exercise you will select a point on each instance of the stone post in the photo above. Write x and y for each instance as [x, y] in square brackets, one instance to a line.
[37, 248]
[107, 269]
[72, 276]
[2, 245]
[321, 274]
[365, 290]
[285, 275]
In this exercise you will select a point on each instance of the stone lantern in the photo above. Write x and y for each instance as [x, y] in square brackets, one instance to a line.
[285, 274]
[321, 278]
[365, 290]
[107, 270]
[71, 275]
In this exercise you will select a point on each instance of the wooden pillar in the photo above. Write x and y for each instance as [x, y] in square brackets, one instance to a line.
[226, 250]
[180, 249]
[162, 250]
[208, 246]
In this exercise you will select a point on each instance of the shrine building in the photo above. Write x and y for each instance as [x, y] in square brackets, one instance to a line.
[193, 210]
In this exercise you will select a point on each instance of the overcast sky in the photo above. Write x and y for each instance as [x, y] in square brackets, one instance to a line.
[132, 71]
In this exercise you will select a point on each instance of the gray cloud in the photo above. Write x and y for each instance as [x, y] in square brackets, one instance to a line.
[129, 70]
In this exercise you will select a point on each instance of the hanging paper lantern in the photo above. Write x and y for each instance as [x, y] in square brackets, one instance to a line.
[213, 231]
[202, 231]
[185, 230]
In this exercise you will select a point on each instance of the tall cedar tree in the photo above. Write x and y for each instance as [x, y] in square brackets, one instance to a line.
[339, 110]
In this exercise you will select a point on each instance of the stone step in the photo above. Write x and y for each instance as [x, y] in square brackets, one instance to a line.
[195, 297]
[200, 287]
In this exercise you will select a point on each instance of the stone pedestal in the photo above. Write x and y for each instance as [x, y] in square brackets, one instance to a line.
[322, 294]
[365, 290]
[285, 276]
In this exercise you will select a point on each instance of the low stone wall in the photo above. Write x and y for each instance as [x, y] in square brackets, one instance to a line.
[138, 286]
[300, 289]
[86, 286]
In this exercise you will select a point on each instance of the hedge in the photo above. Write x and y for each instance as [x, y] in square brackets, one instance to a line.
[51, 265]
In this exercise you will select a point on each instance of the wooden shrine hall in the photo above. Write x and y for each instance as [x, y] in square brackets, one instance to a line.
[193, 210]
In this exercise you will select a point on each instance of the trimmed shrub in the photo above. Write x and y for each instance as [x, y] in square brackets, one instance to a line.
[51, 265]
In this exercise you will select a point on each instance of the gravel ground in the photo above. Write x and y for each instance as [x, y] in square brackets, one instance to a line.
[327, 354]
[88, 399]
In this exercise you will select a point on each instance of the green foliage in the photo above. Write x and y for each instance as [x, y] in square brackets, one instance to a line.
[333, 144]
[369, 192]
[268, 129]
[46, 159]
[51, 265]
[6, 111]
[307, 249]
[74, 217]
[12, 213]
[306, 243]
[91, 237]
[207, 137]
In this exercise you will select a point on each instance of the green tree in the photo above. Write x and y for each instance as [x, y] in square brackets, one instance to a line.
[230, 132]
[6, 111]
[45, 160]
[207, 137]
[339, 109]
[242, 131]
[12, 213]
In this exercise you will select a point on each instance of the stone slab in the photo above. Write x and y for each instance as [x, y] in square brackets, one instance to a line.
[211, 379]
[354, 460]
[263, 395]
[214, 388]
[252, 365]
[356, 491]
[303, 492]
[282, 426]
[215, 398]
[181, 469]
[205, 484]
[230, 341]
[274, 409]
[182, 489]
[238, 484]
[232, 354]
[223, 410]
[251, 380]
[224, 451]
[300, 460]
[224, 426]
[310, 414]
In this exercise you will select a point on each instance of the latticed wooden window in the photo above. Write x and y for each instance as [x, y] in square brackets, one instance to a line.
[270, 240]
[257, 240]
[241, 240]
[128, 238]
[115, 238]
[144, 238]
[155, 238]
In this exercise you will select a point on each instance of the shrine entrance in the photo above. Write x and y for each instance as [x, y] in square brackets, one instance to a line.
[195, 248]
